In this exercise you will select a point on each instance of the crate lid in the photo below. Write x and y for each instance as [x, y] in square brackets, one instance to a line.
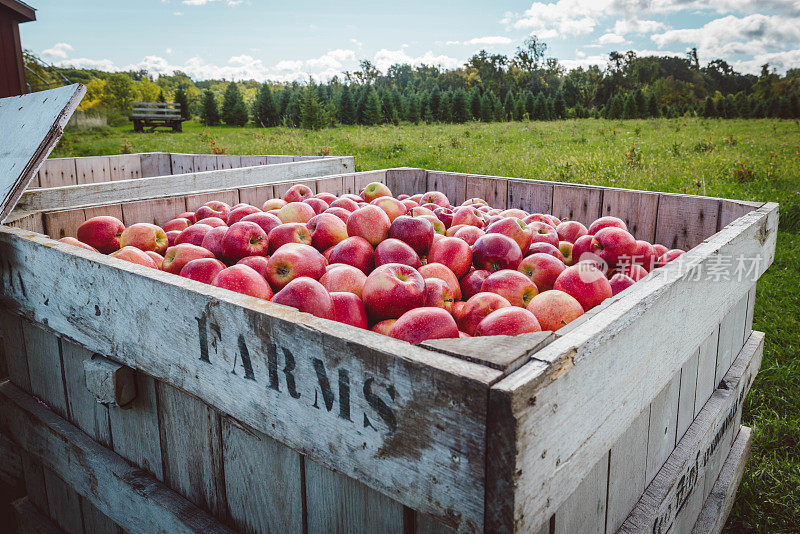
[30, 126]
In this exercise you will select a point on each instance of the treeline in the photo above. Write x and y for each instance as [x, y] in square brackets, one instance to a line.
[488, 87]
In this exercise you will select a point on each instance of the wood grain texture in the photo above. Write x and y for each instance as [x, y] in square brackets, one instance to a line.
[64, 503]
[58, 172]
[663, 427]
[229, 161]
[369, 389]
[452, 184]
[114, 210]
[44, 366]
[131, 498]
[58, 224]
[585, 510]
[424, 524]
[283, 186]
[686, 397]
[706, 369]
[685, 221]
[336, 503]
[182, 163]
[332, 184]
[362, 179]
[252, 161]
[156, 211]
[155, 164]
[205, 162]
[256, 196]
[407, 181]
[731, 335]
[492, 189]
[504, 353]
[14, 349]
[109, 382]
[530, 195]
[637, 208]
[671, 499]
[627, 469]
[33, 473]
[195, 201]
[125, 167]
[84, 410]
[577, 203]
[733, 209]
[29, 520]
[263, 481]
[751, 304]
[92, 170]
[191, 448]
[546, 393]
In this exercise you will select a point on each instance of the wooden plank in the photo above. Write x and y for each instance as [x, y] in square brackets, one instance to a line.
[706, 369]
[586, 400]
[685, 221]
[114, 210]
[424, 524]
[383, 397]
[95, 521]
[349, 183]
[733, 209]
[64, 503]
[34, 482]
[531, 196]
[273, 160]
[687, 394]
[44, 366]
[280, 188]
[257, 195]
[751, 304]
[663, 427]
[165, 186]
[195, 201]
[92, 170]
[204, 162]
[14, 349]
[637, 208]
[109, 382]
[627, 469]
[32, 125]
[191, 448]
[336, 503]
[719, 503]
[577, 203]
[182, 163]
[155, 211]
[731, 336]
[362, 179]
[670, 499]
[492, 189]
[504, 353]
[331, 184]
[131, 498]
[84, 410]
[407, 181]
[125, 167]
[452, 184]
[252, 161]
[26, 220]
[228, 161]
[585, 510]
[155, 164]
[30, 521]
[58, 172]
[263, 481]
[58, 224]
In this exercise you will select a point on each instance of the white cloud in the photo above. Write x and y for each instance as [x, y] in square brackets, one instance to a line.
[58, 51]
[386, 58]
[611, 38]
[626, 26]
[288, 65]
[567, 17]
[781, 61]
[356, 42]
[489, 40]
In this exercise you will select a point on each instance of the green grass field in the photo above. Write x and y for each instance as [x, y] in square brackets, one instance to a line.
[743, 159]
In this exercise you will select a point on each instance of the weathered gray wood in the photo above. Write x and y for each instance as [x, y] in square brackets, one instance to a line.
[706, 369]
[64, 502]
[336, 503]
[585, 399]
[155, 164]
[407, 181]
[252, 161]
[95, 521]
[672, 496]
[531, 196]
[637, 208]
[34, 482]
[585, 510]
[58, 224]
[276, 159]
[10, 464]
[205, 162]
[733, 209]
[627, 468]
[84, 410]
[229, 161]
[688, 391]
[577, 203]
[125, 167]
[283, 186]
[32, 125]
[231, 197]
[108, 381]
[395, 390]
[663, 427]
[182, 163]
[92, 170]
[127, 495]
[362, 179]
[452, 184]
[14, 349]
[155, 211]
[191, 448]
[492, 189]
[504, 353]
[263, 481]
[331, 184]
[44, 366]
[684, 221]
[26, 220]
[257, 195]
[424, 524]
[731, 335]
[30, 520]
[719, 503]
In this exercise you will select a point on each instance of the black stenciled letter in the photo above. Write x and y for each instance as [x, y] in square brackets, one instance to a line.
[379, 405]
[244, 354]
[328, 396]
[288, 370]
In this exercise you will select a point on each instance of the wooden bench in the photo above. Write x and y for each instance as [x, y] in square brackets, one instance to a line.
[155, 114]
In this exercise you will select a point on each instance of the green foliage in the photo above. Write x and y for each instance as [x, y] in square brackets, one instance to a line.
[474, 99]
[234, 112]
[118, 93]
[434, 102]
[210, 112]
[347, 108]
[412, 115]
[265, 110]
[461, 111]
[312, 114]
[372, 108]
[183, 99]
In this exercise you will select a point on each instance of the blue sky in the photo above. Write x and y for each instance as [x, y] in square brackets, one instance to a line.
[285, 41]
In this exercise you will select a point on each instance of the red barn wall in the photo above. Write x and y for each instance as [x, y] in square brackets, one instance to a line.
[12, 73]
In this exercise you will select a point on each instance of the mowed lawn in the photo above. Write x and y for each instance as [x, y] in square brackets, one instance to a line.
[743, 159]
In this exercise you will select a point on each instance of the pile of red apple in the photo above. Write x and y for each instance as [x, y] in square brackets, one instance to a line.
[412, 267]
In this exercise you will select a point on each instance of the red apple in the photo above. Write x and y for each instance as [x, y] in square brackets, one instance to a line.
[298, 212]
[458, 308]
[76, 243]
[476, 308]
[614, 245]
[409, 204]
[418, 325]
[539, 217]
[442, 272]
[438, 294]
[416, 232]
[202, 269]
[294, 260]
[355, 251]
[179, 255]
[212, 241]
[508, 322]
[188, 215]
[384, 327]
[213, 208]
[273, 204]
[375, 190]
[214, 222]
[438, 226]
[620, 282]
[307, 295]
[369, 222]
[660, 250]
[453, 252]
[514, 228]
[554, 309]
[393, 207]
[669, 256]
[144, 236]
[326, 230]
[635, 271]
[134, 255]
[267, 221]
[586, 283]
[297, 193]
[493, 252]
[157, 258]
[395, 251]
[434, 197]
[467, 215]
[327, 197]
[172, 235]
[258, 263]
[542, 269]
[547, 248]
[543, 233]
[567, 252]
[194, 234]
[244, 239]
[239, 212]
[243, 279]
[177, 224]
[102, 232]
[444, 214]
[474, 201]
[349, 309]
[340, 277]
[289, 233]
[317, 204]
[342, 213]
[570, 231]
[391, 290]
[514, 212]
[345, 203]
[513, 285]
[644, 254]
[470, 234]
[472, 282]
[607, 222]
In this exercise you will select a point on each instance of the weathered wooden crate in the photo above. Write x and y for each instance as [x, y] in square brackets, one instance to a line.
[257, 417]
[58, 172]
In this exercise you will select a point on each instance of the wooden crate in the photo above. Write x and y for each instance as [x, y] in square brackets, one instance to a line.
[258, 417]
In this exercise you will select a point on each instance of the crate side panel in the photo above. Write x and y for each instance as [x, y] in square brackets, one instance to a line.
[64, 503]
[14, 349]
[125, 167]
[182, 163]
[252, 161]
[263, 481]
[155, 164]
[33, 472]
[257, 195]
[452, 184]
[627, 470]
[685, 221]
[84, 410]
[331, 184]
[706, 370]
[637, 208]
[688, 391]
[733, 209]
[44, 365]
[195, 201]
[424, 524]
[585, 510]
[95, 521]
[58, 224]
[663, 427]
[282, 187]
[204, 162]
[531, 196]
[229, 161]
[575, 203]
[731, 336]
[113, 210]
[336, 503]
[93, 169]
[57, 172]
[491, 189]
[157, 211]
[362, 179]
[407, 181]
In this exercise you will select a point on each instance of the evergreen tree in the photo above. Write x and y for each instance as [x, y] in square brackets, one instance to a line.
[641, 104]
[519, 109]
[742, 105]
[794, 107]
[388, 111]
[475, 103]
[413, 109]
[434, 102]
[629, 109]
[292, 116]
[539, 108]
[498, 110]
[182, 99]
[265, 112]
[461, 111]
[312, 116]
[372, 108]
[347, 108]
[708, 108]
[773, 107]
[508, 106]
[209, 115]
[530, 104]
[234, 112]
[652, 106]
[559, 106]
[446, 107]
[486, 113]
[549, 108]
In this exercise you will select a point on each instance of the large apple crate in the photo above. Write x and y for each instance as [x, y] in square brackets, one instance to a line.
[251, 416]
